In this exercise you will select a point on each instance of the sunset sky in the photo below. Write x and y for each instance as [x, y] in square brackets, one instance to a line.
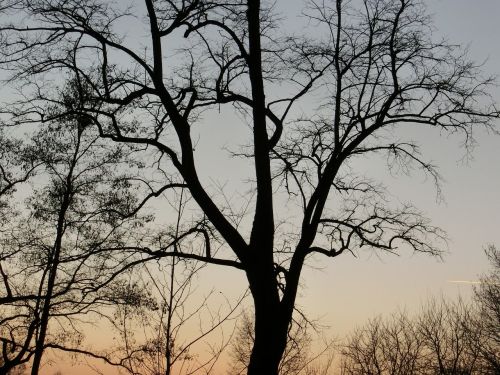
[344, 292]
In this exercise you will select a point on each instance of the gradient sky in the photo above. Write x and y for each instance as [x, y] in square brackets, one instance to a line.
[347, 291]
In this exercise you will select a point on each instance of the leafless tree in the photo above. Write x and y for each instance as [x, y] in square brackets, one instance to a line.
[370, 66]
[54, 256]
[444, 338]
[164, 336]
[487, 297]
[383, 347]
[448, 335]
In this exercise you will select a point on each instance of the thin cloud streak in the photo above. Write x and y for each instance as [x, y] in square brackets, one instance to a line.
[470, 282]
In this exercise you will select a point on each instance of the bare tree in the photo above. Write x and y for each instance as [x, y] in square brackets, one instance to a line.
[165, 334]
[448, 335]
[390, 346]
[487, 297]
[55, 253]
[444, 338]
[374, 68]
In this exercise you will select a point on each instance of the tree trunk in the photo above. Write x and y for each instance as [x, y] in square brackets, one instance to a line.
[53, 264]
[270, 325]
[269, 344]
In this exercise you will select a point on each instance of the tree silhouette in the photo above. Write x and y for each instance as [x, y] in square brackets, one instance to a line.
[55, 257]
[487, 297]
[443, 338]
[313, 101]
[153, 335]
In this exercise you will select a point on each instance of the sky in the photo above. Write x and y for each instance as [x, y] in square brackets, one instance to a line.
[346, 291]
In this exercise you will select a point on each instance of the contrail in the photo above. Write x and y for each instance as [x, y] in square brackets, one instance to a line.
[471, 282]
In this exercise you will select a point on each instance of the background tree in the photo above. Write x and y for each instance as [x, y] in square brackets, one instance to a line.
[487, 297]
[375, 70]
[445, 337]
[172, 335]
[449, 339]
[390, 346]
[55, 252]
